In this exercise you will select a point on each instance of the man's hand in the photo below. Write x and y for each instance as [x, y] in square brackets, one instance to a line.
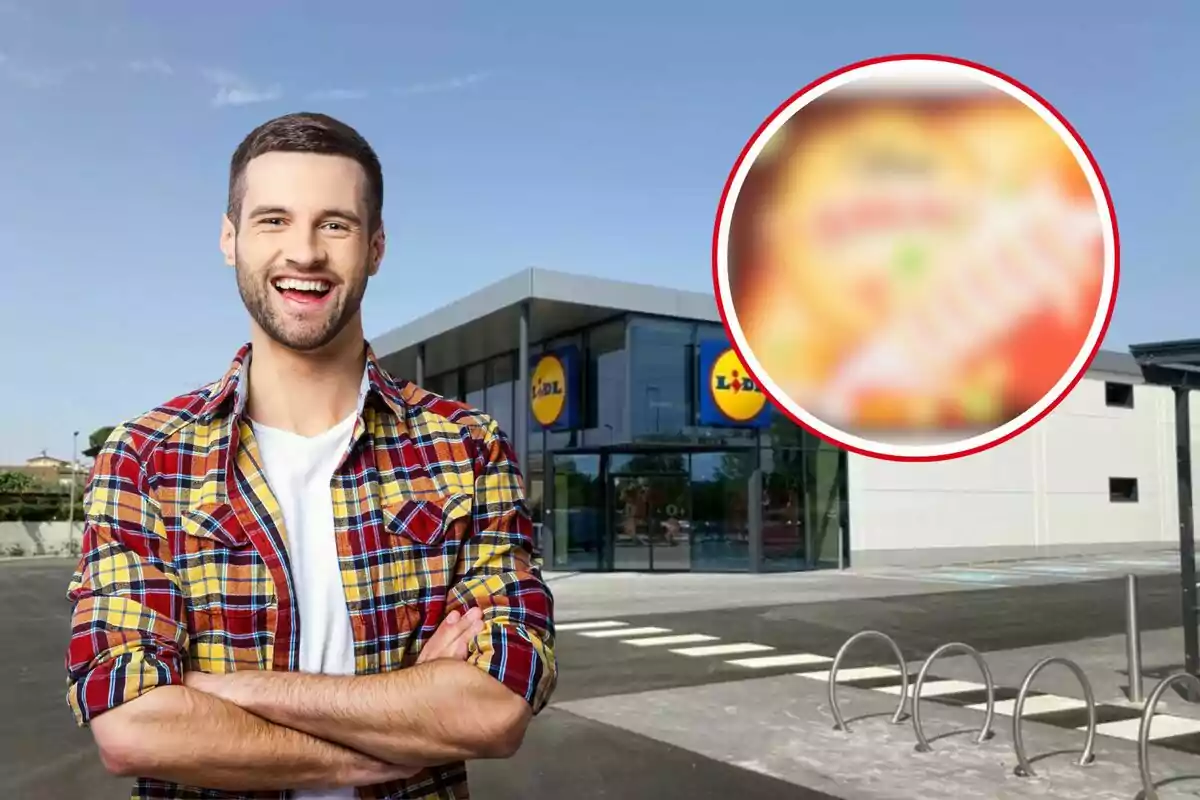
[372, 772]
[451, 638]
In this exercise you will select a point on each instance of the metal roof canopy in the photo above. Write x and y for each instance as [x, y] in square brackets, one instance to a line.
[1177, 364]
[485, 322]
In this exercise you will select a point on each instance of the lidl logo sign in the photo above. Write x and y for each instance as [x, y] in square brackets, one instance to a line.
[733, 390]
[548, 389]
[729, 395]
[553, 397]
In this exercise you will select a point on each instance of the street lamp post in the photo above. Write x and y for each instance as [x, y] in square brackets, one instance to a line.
[74, 480]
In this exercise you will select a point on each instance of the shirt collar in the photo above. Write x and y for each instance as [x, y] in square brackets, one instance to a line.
[377, 385]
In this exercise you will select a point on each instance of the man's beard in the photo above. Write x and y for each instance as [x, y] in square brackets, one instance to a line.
[256, 297]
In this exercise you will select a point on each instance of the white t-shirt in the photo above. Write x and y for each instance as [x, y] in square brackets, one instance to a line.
[299, 470]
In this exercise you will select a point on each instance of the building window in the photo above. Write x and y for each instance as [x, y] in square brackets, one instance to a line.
[660, 396]
[1123, 490]
[476, 382]
[1118, 395]
[605, 385]
[449, 386]
[501, 385]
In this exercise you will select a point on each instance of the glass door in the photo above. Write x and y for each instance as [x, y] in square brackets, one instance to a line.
[824, 540]
[577, 515]
[651, 527]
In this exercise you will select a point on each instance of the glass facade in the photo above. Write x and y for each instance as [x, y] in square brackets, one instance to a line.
[660, 393]
[641, 485]
[605, 385]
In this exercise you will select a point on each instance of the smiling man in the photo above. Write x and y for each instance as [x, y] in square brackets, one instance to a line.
[309, 579]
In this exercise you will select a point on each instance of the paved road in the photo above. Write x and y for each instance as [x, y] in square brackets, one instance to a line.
[42, 754]
[994, 619]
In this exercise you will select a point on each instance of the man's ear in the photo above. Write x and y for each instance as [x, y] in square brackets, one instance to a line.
[378, 246]
[229, 241]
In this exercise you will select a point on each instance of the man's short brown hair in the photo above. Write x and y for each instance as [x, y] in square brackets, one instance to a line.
[307, 132]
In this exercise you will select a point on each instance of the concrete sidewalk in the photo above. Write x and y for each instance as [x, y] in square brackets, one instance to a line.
[1102, 659]
[781, 727]
[589, 595]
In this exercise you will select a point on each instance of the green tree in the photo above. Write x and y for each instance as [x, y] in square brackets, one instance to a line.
[12, 482]
[24, 499]
[96, 440]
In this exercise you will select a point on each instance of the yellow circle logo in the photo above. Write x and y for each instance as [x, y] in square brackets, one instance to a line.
[548, 390]
[734, 392]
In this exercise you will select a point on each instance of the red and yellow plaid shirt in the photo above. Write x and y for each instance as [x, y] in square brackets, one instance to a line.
[185, 563]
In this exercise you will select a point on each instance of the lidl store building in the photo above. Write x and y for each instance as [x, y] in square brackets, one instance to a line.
[646, 448]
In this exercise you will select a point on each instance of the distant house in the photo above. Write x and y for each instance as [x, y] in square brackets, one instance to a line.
[48, 470]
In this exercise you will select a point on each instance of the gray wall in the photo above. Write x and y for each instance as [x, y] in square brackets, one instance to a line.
[37, 538]
[1043, 493]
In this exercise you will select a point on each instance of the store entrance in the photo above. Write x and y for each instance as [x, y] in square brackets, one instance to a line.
[640, 508]
[651, 521]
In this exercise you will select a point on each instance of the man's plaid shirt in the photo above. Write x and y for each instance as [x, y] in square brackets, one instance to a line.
[185, 562]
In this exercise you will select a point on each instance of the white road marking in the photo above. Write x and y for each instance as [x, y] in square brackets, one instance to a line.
[936, 688]
[723, 649]
[596, 625]
[1164, 726]
[680, 638]
[612, 634]
[854, 674]
[1037, 704]
[792, 660]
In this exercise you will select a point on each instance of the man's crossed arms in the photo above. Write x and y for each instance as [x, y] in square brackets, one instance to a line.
[265, 730]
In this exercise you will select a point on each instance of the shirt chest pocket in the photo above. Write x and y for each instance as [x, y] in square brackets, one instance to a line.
[426, 537]
[231, 598]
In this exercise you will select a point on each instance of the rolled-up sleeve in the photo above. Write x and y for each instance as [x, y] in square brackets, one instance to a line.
[498, 572]
[126, 631]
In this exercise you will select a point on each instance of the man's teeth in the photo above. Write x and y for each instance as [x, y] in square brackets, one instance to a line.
[302, 286]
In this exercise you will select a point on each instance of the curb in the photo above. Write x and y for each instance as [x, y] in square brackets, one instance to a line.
[19, 559]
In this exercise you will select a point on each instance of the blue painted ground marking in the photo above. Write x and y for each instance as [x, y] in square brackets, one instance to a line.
[1055, 569]
[975, 576]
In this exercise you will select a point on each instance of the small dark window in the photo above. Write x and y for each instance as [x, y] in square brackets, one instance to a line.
[1122, 490]
[1118, 395]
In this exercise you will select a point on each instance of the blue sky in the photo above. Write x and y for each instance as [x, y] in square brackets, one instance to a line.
[593, 138]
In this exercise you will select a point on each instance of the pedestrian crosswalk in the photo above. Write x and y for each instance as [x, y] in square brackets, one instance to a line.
[734, 648]
[783, 660]
[680, 638]
[620, 633]
[1118, 720]
[590, 626]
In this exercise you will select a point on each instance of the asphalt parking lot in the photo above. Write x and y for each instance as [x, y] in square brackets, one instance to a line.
[44, 756]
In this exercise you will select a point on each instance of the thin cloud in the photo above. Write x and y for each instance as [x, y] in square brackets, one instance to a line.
[10, 9]
[234, 90]
[32, 77]
[448, 85]
[152, 65]
[339, 94]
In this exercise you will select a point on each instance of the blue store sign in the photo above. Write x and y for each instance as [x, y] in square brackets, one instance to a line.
[554, 389]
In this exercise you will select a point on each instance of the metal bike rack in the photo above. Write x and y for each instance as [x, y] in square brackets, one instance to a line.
[1133, 640]
[1024, 769]
[984, 734]
[1148, 790]
[838, 723]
